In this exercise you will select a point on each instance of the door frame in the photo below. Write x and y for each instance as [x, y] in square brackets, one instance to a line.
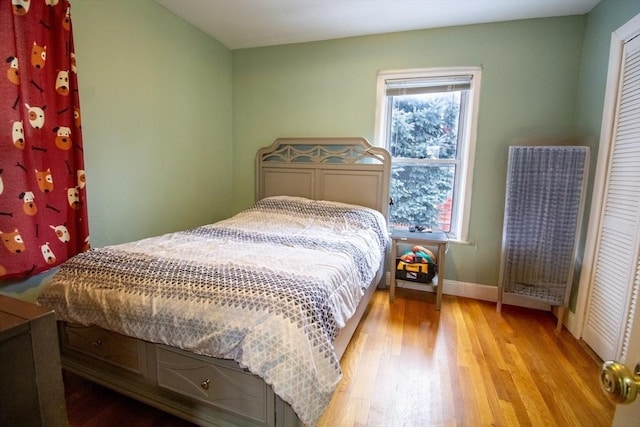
[618, 38]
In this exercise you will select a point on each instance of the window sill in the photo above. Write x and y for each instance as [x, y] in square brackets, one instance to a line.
[460, 242]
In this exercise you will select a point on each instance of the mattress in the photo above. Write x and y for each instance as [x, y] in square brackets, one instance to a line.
[269, 288]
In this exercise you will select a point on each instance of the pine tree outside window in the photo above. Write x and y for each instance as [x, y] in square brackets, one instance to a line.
[427, 121]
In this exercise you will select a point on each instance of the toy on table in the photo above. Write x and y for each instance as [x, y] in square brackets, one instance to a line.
[417, 265]
[419, 254]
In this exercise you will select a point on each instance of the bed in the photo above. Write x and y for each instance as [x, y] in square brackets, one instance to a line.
[241, 322]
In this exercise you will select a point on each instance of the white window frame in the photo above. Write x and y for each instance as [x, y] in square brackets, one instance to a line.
[466, 151]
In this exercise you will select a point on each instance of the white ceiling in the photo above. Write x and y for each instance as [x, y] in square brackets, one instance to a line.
[255, 23]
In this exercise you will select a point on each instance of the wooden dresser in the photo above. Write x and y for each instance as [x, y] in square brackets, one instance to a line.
[31, 388]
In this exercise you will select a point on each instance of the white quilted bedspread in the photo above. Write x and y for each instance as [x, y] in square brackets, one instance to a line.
[270, 288]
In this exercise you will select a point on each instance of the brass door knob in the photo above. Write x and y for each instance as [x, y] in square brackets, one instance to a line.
[618, 382]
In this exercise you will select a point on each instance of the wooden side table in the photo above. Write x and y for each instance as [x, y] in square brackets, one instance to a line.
[433, 238]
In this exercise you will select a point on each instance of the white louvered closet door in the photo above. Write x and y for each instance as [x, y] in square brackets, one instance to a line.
[616, 279]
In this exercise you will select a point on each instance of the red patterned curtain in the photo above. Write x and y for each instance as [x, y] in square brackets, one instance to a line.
[43, 214]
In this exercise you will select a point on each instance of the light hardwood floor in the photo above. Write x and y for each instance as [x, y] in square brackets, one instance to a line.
[409, 365]
[466, 365]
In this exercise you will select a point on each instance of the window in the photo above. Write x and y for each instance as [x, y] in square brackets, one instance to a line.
[427, 121]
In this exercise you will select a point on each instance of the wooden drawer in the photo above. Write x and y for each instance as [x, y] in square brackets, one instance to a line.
[117, 349]
[213, 381]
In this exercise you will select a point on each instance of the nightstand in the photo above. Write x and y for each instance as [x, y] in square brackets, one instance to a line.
[431, 239]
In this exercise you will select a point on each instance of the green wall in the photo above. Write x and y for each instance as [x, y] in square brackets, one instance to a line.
[155, 94]
[529, 89]
[172, 119]
[604, 19]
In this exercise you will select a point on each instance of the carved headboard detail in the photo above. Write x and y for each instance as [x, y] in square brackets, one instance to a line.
[348, 170]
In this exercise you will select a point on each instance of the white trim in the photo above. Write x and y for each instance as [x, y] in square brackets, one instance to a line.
[473, 290]
[489, 293]
[472, 128]
[464, 189]
[618, 38]
[571, 324]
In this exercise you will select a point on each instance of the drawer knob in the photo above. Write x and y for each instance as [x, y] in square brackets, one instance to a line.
[205, 384]
[97, 343]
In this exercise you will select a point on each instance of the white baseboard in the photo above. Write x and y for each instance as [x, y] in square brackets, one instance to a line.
[570, 323]
[489, 293]
[475, 291]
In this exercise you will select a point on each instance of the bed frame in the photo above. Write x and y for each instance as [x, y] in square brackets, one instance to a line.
[211, 391]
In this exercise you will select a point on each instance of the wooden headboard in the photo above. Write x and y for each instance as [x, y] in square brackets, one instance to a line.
[348, 170]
